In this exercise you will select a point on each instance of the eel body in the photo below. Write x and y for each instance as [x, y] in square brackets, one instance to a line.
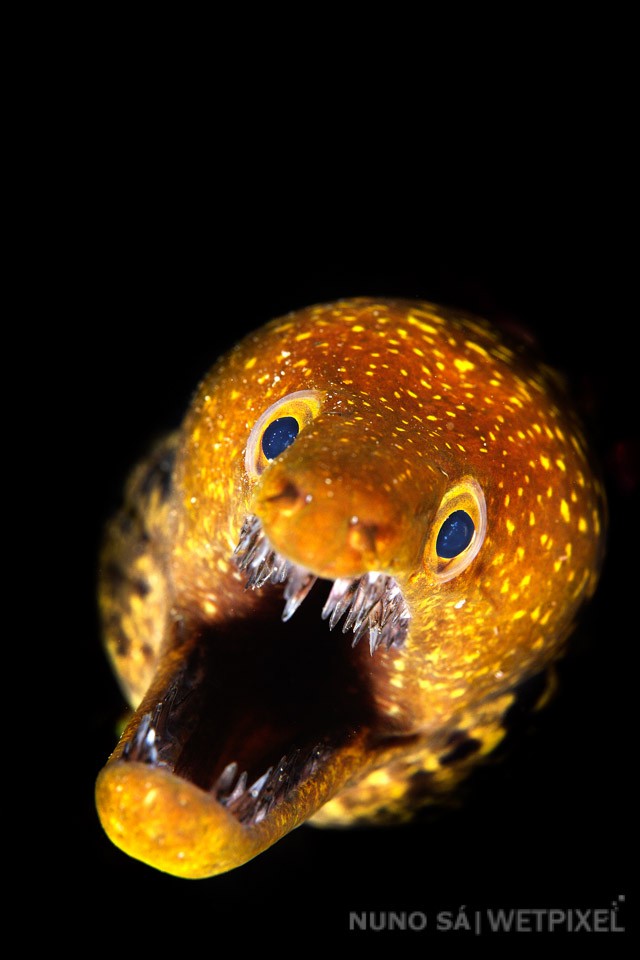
[323, 593]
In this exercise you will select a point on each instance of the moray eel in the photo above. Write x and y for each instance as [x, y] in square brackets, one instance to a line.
[432, 478]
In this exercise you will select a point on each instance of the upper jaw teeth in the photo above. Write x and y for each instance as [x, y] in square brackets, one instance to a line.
[373, 603]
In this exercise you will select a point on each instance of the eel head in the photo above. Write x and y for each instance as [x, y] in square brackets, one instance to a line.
[377, 521]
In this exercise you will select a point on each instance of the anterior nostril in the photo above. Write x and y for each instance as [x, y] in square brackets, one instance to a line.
[288, 494]
[362, 536]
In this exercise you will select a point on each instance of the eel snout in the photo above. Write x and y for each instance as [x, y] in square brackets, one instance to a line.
[341, 519]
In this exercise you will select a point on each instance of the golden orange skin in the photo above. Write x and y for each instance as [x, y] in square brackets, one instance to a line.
[416, 400]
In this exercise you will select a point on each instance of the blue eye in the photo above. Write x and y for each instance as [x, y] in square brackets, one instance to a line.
[456, 533]
[278, 436]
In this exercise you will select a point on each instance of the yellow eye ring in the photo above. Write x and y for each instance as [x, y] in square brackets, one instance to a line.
[277, 428]
[457, 532]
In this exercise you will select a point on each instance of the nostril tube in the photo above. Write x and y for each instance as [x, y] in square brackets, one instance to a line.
[362, 536]
[287, 495]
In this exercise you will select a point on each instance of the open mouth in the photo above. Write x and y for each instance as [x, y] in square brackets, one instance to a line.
[257, 707]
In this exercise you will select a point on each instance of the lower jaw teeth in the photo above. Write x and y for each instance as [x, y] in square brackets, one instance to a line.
[248, 804]
[252, 804]
[373, 604]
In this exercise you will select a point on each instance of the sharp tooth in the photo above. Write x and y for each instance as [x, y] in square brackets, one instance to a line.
[262, 567]
[280, 766]
[314, 758]
[250, 536]
[370, 613]
[261, 552]
[252, 582]
[247, 560]
[280, 568]
[359, 634]
[282, 773]
[339, 600]
[375, 639]
[355, 608]
[298, 586]
[256, 787]
[391, 614]
[142, 748]
[370, 590]
[226, 778]
[238, 790]
[288, 769]
[276, 784]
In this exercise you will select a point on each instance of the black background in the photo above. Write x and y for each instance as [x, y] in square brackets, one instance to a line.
[170, 260]
[549, 825]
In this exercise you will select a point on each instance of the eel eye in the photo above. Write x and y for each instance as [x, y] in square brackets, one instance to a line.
[458, 530]
[279, 435]
[456, 533]
[277, 428]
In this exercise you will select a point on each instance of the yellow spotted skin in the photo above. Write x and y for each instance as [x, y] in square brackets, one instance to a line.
[415, 407]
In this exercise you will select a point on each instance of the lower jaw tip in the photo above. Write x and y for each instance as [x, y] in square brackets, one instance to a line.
[170, 824]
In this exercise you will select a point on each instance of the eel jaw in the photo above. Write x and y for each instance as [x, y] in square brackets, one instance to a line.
[203, 781]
